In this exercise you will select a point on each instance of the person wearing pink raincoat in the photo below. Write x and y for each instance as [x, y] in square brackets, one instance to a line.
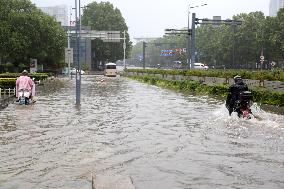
[25, 82]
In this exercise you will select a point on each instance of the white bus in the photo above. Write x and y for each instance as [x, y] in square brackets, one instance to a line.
[110, 70]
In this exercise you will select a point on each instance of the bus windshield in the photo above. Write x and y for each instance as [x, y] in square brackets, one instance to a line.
[110, 66]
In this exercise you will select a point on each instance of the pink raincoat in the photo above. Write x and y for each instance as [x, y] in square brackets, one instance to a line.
[24, 82]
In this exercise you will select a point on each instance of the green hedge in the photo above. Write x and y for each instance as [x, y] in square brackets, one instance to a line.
[37, 76]
[6, 83]
[259, 95]
[268, 97]
[271, 75]
[184, 85]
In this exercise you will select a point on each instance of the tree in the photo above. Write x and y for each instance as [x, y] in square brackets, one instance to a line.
[104, 17]
[235, 46]
[274, 37]
[154, 47]
[232, 46]
[26, 32]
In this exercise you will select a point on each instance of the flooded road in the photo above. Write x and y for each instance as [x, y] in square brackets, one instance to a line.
[160, 138]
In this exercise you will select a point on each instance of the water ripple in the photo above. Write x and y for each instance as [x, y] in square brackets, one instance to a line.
[162, 139]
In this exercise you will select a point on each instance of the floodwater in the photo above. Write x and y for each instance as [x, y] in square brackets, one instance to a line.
[160, 138]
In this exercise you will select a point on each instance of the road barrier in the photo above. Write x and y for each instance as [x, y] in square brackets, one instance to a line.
[7, 93]
[6, 96]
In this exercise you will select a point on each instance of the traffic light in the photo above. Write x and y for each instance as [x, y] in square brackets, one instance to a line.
[189, 31]
[196, 21]
[144, 45]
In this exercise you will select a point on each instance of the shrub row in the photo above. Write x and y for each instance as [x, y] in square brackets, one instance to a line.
[6, 83]
[259, 95]
[275, 75]
[37, 76]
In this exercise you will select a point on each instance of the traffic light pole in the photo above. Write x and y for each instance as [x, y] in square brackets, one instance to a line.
[187, 32]
[233, 23]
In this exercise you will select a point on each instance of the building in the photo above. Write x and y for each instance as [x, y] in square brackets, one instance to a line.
[274, 6]
[60, 13]
[85, 47]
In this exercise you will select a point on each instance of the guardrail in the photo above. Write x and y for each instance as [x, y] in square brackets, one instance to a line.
[6, 96]
[7, 92]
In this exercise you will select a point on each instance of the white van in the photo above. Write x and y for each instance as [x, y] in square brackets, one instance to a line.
[200, 66]
[110, 70]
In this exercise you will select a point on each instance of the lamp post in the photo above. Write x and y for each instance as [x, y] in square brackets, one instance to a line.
[78, 39]
[192, 42]
[124, 49]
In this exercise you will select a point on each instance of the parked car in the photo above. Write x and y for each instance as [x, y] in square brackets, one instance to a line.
[200, 66]
[73, 71]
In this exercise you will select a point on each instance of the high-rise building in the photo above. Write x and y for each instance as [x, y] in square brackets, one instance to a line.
[274, 6]
[60, 13]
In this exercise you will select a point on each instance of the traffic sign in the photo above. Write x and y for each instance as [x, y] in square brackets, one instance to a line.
[261, 57]
[273, 63]
[69, 55]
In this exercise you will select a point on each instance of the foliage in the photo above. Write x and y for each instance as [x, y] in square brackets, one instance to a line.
[153, 51]
[85, 67]
[104, 17]
[228, 46]
[274, 75]
[259, 95]
[9, 67]
[268, 97]
[240, 46]
[37, 76]
[26, 32]
[6, 83]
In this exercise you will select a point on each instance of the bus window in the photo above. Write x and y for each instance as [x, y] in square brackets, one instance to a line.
[110, 66]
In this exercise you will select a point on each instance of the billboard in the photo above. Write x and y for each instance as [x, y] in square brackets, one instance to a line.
[167, 52]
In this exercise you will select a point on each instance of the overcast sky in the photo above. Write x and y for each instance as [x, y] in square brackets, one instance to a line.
[149, 18]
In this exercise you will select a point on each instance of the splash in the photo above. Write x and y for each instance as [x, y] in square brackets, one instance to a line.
[259, 118]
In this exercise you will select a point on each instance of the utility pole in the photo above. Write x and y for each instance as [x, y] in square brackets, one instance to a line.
[192, 41]
[78, 40]
[144, 48]
[124, 49]
[69, 61]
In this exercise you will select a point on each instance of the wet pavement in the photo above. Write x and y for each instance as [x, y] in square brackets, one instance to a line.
[160, 138]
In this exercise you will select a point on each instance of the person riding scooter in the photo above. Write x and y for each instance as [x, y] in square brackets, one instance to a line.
[234, 95]
[24, 82]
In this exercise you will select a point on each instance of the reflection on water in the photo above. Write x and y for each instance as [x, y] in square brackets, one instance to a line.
[162, 139]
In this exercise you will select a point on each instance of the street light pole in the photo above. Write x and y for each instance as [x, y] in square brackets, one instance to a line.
[188, 39]
[78, 40]
[69, 45]
[124, 49]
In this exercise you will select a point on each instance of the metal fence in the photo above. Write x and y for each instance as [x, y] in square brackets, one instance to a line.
[6, 93]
